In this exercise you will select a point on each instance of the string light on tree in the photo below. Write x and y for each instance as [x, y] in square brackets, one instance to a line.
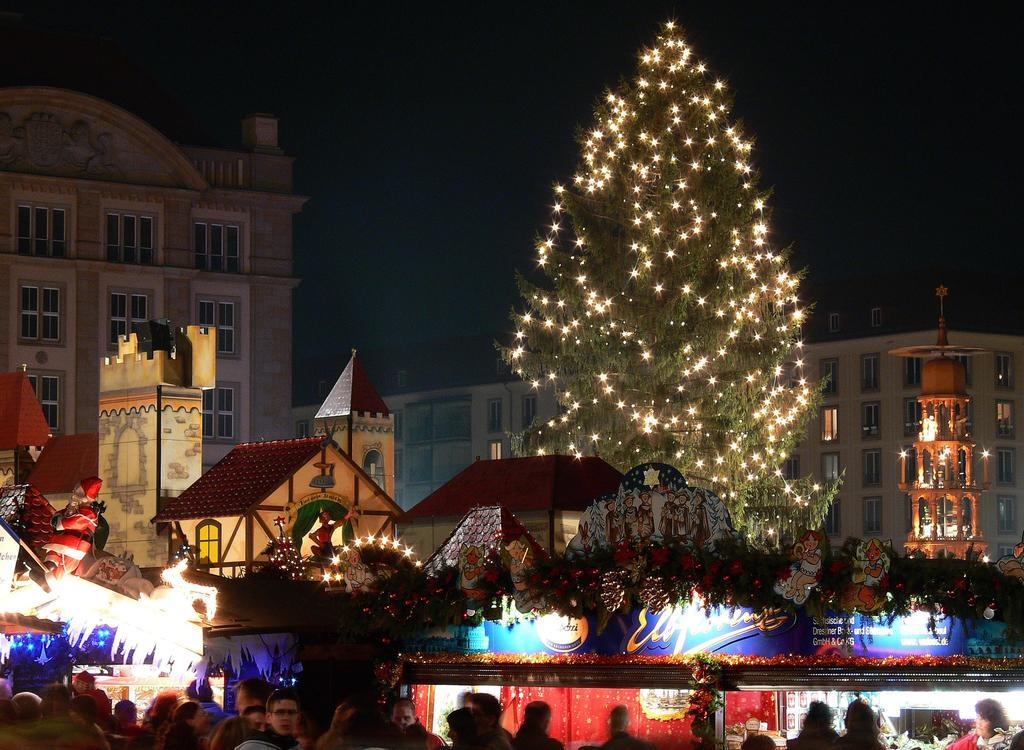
[283, 555]
[663, 316]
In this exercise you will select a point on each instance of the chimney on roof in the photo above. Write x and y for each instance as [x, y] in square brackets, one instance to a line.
[259, 133]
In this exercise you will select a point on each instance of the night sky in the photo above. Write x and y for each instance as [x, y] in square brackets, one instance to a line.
[428, 136]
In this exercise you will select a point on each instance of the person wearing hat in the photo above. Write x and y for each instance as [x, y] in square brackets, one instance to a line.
[84, 683]
[73, 529]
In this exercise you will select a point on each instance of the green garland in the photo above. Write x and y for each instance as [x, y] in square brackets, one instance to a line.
[734, 575]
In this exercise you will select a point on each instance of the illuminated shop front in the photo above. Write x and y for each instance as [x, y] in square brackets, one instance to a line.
[767, 667]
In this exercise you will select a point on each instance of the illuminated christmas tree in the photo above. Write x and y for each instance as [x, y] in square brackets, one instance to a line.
[666, 320]
[284, 558]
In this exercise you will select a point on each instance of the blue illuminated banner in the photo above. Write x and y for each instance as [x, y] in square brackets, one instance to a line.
[690, 630]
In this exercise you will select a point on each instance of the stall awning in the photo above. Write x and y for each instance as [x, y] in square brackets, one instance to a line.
[956, 673]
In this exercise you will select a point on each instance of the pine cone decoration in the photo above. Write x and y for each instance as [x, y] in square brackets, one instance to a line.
[655, 594]
[613, 590]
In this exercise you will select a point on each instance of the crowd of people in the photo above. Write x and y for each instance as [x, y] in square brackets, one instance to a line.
[82, 718]
[863, 730]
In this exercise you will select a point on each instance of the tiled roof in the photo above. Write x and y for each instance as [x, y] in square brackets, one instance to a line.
[26, 511]
[521, 484]
[66, 460]
[21, 418]
[485, 528]
[353, 392]
[244, 477]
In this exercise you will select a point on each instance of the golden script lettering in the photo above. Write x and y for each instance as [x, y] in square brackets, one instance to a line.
[672, 626]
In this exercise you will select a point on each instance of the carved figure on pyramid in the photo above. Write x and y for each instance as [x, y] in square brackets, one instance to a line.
[73, 529]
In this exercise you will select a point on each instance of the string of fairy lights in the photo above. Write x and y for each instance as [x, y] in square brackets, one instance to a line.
[668, 326]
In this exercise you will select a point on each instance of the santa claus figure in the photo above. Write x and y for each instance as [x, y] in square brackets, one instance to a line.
[73, 529]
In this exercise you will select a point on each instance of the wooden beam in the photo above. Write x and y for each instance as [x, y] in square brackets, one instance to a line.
[263, 524]
[249, 557]
[234, 532]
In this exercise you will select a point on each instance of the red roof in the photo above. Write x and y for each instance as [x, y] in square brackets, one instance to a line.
[521, 484]
[21, 417]
[353, 392]
[65, 461]
[487, 528]
[23, 507]
[243, 478]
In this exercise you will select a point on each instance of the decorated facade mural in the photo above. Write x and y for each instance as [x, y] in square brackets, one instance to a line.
[653, 503]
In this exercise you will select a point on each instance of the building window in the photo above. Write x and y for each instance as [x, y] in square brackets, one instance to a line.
[911, 371]
[870, 419]
[401, 378]
[791, 468]
[908, 515]
[302, 428]
[869, 372]
[373, 465]
[911, 416]
[398, 424]
[126, 310]
[216, 246]
[222, 316]
[829, 370]
[529, 410]
[1004, 370]
[494, 415]
[876, 317]
[968, 367]
[1004, 419]
[833, 519]
[1005, 462]
[41, 231]
[398, 466]
[219, 413]
[47, 388]
[40, 313]
[833, 322]
[830, 467]
[129, 238]
[1007, 508]
[494, 449]
[872, 468]
[829, 423]
[872, 515]
[208, 542]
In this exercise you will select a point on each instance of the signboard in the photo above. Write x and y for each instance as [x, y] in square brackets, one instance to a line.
[9, 547]
[690, 630]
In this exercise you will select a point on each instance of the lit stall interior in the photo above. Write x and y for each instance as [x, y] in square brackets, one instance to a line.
[579, 714]
[928, 716]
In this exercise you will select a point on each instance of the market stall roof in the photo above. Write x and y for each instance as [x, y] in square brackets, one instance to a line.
[262, 604]
[521, 484]
[23, 507]
[354, 391]
[485, 528]
[243, 478]
[21, 417]
[65, 460]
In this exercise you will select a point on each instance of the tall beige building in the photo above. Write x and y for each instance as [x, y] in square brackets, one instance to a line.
[105, 222]
[870, 411]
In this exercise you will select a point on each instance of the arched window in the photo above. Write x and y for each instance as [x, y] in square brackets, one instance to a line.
[208, 542]
[373, 464]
